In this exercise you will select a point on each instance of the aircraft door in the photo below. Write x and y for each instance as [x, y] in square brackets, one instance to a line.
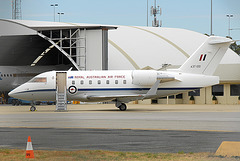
[61, 91]
[61, 81]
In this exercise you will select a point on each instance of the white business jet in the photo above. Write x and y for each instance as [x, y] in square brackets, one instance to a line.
[123, 86]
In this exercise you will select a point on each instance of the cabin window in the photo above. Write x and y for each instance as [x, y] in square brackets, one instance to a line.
[107, 81]
[124, 81]
[99, 82]
[39, 80]
[81, 82]
[116, 81]
[73, 82]
[90, 81]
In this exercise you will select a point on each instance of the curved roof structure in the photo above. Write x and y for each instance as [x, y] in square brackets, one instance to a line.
[129, 47]
[133, 47]
[25, 40]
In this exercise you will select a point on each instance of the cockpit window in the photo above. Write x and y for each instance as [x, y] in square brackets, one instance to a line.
[39, 80]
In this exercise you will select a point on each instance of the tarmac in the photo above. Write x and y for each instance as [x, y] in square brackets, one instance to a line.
[144, 128]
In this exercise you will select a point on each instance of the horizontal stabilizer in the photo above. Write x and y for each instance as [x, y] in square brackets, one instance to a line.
[220, 41]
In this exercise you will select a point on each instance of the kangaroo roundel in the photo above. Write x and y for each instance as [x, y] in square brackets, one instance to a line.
[72, 89]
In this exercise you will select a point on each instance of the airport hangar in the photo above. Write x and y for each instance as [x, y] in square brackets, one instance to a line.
[108, 47]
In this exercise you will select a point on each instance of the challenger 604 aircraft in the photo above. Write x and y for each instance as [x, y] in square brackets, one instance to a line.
[124, 86]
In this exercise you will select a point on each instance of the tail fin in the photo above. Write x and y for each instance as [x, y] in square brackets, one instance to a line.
[207, 57]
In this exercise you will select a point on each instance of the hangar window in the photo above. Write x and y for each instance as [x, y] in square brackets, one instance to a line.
[235, 90]
[217, 90]
[39, 80]
[162, 97]
[194, 93]
[154, 101]
[179, 96]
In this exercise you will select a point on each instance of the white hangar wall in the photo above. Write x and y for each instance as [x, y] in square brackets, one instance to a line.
[139, 47]
[94, 49]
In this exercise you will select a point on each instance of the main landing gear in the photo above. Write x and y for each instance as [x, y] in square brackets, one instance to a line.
[121, 106]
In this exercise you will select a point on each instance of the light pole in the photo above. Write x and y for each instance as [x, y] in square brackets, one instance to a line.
[229, 16]
[54, 5]
[147, 12]
[60, 13]
[211, 20]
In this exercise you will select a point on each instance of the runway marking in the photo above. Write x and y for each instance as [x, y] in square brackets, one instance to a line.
[102, 128]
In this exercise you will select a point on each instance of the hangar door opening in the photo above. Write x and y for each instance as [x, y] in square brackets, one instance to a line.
[61, 93]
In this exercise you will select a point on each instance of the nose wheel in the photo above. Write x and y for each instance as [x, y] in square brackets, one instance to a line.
[33, 108]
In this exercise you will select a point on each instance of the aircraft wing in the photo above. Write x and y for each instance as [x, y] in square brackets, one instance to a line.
[122, 98]
[152, 93]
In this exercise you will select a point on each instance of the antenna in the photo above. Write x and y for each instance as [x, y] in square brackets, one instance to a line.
[154, 11]
[16, 9]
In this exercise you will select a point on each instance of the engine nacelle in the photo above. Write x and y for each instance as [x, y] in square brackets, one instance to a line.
[144, 77]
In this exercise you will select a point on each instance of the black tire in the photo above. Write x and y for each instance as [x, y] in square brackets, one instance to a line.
[122, 107]
[32, 108]
[13, 102]
[18, 102]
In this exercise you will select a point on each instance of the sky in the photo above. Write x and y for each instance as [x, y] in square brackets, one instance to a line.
[187, 14]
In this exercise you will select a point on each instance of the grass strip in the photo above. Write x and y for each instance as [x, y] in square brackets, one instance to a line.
[100, 155]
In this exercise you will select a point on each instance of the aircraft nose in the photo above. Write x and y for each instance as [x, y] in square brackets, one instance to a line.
[12, 93]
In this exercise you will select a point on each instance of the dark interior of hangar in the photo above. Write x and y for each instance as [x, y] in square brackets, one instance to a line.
[24, 49]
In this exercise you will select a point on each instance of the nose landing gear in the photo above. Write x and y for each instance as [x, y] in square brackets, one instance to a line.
[33, 108]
